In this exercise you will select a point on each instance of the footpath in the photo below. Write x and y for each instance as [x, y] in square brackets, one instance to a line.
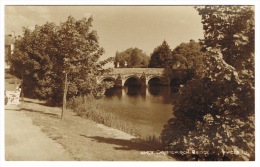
[34, 132]
[26, 142]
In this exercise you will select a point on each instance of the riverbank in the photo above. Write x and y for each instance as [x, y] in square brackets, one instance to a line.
[86, 140]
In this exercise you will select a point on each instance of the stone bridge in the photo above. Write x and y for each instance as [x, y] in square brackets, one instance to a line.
[144, 76]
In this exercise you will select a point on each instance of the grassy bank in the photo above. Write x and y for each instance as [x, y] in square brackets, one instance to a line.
[88, 107]
[85, 139]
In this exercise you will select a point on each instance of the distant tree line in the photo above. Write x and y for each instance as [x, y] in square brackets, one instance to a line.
[132, 57]
[184, 56]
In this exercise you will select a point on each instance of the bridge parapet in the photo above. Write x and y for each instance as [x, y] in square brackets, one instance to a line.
[126, 71]
[120, 75]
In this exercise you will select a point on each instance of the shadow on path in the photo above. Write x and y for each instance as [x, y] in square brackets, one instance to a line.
[133, 144]
[12, 108]
[42, 112]
[34, 102]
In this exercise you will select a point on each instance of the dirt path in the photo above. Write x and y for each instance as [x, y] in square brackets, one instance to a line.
[26, 142]
[72, 138]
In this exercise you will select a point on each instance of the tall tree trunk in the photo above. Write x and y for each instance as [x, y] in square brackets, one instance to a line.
[64, 102]
[22, 92]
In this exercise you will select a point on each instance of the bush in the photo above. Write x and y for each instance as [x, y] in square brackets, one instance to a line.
[203, 122]
[214, 113]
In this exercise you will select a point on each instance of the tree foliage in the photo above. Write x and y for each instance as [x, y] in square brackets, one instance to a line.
[131, 58]
[188, 55]
[43, 55]
[160, 56]
[214, 112]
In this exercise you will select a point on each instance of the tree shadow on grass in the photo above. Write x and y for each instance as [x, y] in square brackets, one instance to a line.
[34, 101]
[123, 144]
[42, 112]
[47, 103]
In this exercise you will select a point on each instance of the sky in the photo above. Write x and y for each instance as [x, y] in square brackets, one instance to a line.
[118, 27]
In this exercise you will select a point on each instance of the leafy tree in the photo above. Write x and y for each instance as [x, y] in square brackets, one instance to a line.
[130, 58]
[119, 60]
[189, 55]
[135, 59]
[31, 62]
[214, 112]
[44, 55]
[160, 56]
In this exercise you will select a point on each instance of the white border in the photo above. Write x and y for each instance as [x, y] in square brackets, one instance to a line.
[132, 2]
[2, 65]
[128, 2]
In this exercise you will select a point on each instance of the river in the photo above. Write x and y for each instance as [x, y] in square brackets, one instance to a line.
[147, 108]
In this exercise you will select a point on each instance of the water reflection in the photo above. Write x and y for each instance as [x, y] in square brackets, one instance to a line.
[155, 90]
[150, 92]
[133, 90]
[114, 91]
[148, 108]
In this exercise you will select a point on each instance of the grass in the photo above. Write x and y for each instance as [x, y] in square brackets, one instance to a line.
[152, 138]
[83, 138]
[88, 107]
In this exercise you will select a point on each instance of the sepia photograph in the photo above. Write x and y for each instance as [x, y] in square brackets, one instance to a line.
[129, 83]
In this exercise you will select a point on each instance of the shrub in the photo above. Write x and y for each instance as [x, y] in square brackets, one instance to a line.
[214, 113]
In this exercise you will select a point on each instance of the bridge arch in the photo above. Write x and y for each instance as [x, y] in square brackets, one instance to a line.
[108, 79]
[154, 81]
[132, 80]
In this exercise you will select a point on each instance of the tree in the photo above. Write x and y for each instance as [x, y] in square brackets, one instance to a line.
[32, 62]
[189, 55]
[49, 52]
[160, 56]
[214, 112]
[131, 58]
